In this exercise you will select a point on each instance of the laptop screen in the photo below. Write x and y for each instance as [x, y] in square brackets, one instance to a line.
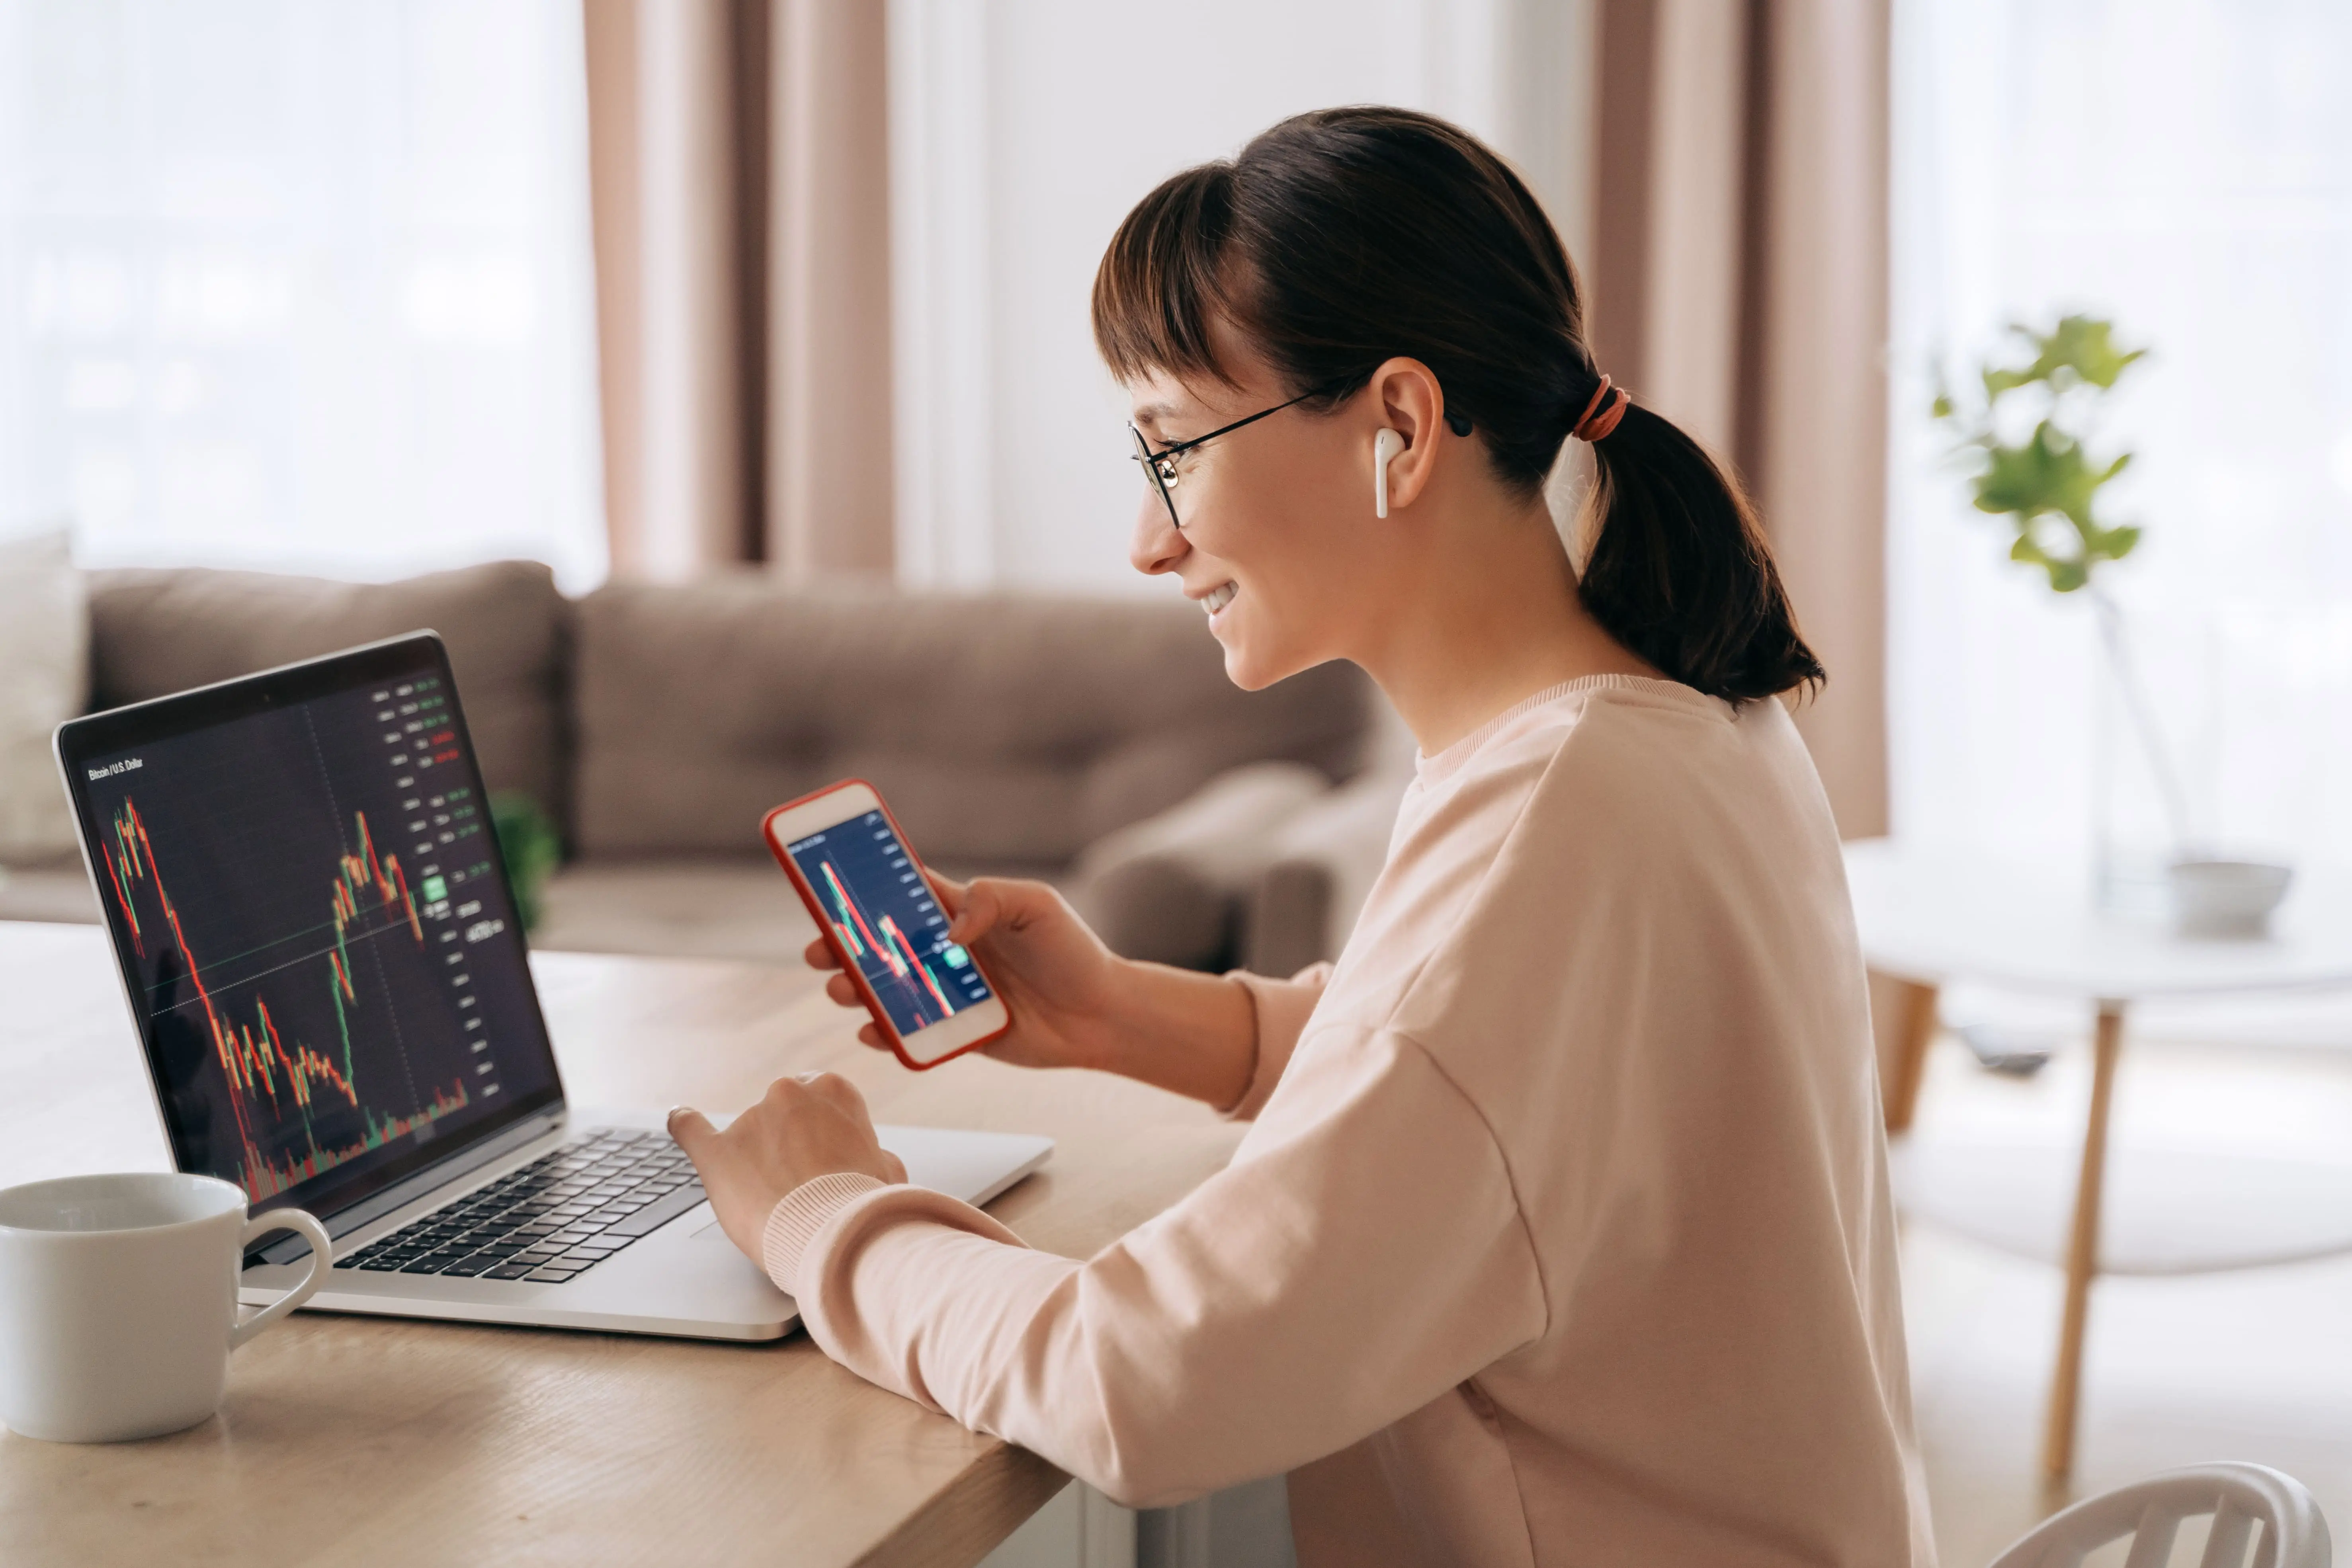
[304, 889]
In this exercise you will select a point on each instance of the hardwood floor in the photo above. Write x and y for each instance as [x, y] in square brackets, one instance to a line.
[2255, 1364]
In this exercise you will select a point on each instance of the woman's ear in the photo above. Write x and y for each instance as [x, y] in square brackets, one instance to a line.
[1412, 404]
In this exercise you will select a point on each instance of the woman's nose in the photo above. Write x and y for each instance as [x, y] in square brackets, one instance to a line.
[1156, 545]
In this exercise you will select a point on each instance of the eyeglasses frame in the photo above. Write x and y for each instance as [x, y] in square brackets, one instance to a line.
[1162, 482]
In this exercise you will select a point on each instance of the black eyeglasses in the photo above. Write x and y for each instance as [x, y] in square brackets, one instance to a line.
[1160, 466]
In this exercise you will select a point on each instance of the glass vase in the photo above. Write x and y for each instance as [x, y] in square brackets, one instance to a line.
[2143, 812]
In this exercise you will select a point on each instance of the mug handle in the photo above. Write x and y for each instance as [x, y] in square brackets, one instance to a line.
[322, 1254]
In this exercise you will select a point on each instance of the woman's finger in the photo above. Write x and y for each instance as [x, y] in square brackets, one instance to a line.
[691, 1129]
[947, 890]
[819, 954]
[983, 911]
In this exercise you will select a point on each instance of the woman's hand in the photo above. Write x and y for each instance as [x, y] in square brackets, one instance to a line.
[1058, 981]
[807, 1127]
[1074, 1004]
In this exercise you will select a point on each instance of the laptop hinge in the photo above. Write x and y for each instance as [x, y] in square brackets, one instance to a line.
[375, 1206]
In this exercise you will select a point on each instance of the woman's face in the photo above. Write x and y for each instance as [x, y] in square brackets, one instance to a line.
[1279, 544]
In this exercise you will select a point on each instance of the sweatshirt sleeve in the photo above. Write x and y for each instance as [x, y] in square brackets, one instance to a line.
[1283, 1007]
[1236, 1334]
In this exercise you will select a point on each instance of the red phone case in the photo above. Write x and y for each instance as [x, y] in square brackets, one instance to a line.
[849, 965]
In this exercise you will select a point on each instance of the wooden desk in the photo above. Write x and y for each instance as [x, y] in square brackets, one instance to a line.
[352, 1440]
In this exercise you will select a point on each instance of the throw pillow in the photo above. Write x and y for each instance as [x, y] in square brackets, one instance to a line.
[43, 681]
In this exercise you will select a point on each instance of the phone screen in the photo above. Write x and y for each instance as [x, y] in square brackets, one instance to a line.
[883, 915]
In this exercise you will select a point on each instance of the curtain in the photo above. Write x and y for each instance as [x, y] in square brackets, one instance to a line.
[1739, 280]
[739, 158]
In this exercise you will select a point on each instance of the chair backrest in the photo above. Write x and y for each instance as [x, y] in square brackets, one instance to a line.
[2238, 1496]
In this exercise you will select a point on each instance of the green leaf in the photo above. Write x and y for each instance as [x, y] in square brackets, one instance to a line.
[2078, 351]
[2048, 474]
[2048, 477]
[531, 846]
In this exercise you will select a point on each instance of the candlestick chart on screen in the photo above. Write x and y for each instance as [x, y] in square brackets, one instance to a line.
[882, 914]
[318, 947]
[301, 1100]
[888, 960]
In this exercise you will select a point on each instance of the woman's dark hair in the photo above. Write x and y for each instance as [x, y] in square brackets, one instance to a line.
[1341, 238]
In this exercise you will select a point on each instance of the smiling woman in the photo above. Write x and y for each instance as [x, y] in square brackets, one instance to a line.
[1562, 1232]
[1346, 248]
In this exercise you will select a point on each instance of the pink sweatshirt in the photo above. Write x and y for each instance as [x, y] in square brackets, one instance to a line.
[1563, 1235]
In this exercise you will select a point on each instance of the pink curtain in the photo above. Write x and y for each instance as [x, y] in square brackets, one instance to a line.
[739, 155]
[1739, 283]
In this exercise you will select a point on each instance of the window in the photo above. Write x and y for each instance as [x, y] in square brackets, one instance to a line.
[2184, 166]
[296, 286]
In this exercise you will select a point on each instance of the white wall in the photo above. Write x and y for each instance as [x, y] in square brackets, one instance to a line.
[1024, 130]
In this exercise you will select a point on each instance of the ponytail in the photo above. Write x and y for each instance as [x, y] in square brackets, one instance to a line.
[1341, 238]
[1676, 567]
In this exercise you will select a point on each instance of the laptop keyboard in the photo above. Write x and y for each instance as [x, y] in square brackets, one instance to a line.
[550, 1220]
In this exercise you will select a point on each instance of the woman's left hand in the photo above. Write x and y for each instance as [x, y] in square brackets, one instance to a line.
[806, 1127]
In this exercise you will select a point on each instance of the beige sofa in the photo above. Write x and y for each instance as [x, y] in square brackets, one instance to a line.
[1096, 744]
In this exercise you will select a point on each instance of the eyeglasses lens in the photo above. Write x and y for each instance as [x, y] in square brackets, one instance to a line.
[1158, 473]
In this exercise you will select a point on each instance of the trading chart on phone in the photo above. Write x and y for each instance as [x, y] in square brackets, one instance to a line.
[882, 915]
[323, 949]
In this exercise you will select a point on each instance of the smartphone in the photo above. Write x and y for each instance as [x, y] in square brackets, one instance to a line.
[859, 877]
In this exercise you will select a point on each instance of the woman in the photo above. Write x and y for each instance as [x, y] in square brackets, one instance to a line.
[1563, 1234]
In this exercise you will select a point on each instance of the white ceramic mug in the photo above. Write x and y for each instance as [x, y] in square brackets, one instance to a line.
[117, 1301]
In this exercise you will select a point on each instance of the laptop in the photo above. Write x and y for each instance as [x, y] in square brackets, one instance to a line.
[330, 985]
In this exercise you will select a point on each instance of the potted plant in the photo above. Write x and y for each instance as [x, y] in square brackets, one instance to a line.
[2046, 487]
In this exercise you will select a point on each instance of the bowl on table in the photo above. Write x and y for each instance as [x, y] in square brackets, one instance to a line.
[2225, 898]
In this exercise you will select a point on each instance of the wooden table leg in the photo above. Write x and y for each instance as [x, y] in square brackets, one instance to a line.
[2083, 1252]
[1915, 1031]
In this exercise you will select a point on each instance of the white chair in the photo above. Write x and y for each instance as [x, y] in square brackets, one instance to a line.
[2238, 1496]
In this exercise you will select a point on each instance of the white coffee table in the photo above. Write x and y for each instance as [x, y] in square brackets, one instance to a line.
[1930, 919]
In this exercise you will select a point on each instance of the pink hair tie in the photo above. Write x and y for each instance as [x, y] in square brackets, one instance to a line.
[1591, 426]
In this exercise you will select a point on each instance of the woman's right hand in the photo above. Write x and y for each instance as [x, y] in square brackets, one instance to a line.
[1058, 981]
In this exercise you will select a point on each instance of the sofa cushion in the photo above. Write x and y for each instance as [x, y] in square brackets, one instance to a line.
[44, 666]
[1170, 887]
[1000, 728]
[701, 906]
[50, 890]
[154, 632]
[740, 909]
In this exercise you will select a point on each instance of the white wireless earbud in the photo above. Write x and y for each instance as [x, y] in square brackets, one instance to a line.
[1385, 445]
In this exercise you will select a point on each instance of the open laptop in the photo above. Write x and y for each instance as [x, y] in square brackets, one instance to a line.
[329, 979]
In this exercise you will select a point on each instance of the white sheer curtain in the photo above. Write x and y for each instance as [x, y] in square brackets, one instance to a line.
[299, 286]
[2186, 167]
